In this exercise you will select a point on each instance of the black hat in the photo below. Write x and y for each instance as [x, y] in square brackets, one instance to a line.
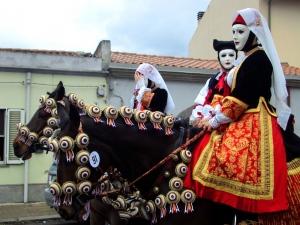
[220, 45]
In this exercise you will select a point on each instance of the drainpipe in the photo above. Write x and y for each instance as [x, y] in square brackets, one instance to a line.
[27, 118]
[269, 13]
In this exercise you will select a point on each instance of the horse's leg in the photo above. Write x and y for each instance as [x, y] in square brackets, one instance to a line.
[101, 212]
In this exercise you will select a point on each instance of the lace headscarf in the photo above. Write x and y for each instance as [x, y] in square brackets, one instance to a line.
[151, 73]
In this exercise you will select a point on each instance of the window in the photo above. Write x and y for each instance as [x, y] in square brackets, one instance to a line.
[2, 135]
[8, 131]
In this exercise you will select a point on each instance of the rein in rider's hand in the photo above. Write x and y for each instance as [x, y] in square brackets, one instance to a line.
[203, 123]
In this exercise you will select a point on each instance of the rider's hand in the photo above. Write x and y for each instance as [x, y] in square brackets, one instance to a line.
[204, 124]
[196, 122]
[138, 76]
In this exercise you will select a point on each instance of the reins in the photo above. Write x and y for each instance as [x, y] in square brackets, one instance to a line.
[168, 157]
[164, 160]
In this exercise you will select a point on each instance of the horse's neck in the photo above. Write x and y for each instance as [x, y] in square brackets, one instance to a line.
[133, 151]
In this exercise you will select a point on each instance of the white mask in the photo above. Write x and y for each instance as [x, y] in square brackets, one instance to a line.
[240, 35]
[227, 57]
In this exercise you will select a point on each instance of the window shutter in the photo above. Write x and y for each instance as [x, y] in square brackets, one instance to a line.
[14, 116]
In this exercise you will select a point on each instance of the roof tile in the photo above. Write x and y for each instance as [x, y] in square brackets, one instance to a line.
[134, 58]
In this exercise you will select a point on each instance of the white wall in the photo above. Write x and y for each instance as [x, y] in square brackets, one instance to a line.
[295, 106]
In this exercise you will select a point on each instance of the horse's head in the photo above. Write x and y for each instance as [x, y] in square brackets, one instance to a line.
[74, 176]
[30, 137]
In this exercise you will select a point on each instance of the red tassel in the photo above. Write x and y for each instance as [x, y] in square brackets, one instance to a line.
[154, 219]
[97, 120]
[47, 109]
[174, 208]
[142, 126]
[110, 122]
[68, 200]
[188, 208]
[163, 212]
[157, 126]
[87, 210]
[168, 131]
[56, 200]
[128, 121]
[70, 155]
[97, 190]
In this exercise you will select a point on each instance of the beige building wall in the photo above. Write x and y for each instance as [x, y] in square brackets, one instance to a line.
[216, 23]
[285, 19]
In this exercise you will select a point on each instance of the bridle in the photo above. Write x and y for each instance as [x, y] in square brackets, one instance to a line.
[35, 140]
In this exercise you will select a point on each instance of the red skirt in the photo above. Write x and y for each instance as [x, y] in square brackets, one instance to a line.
[244, 166]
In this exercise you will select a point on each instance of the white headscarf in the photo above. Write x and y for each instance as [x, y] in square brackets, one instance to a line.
[151, 73]
[258, 25]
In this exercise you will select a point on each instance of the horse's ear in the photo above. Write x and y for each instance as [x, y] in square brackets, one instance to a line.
[74, 115]
[59, 92]
[64, 117]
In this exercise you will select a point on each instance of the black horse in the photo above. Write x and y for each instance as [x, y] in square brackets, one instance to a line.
[131, 150]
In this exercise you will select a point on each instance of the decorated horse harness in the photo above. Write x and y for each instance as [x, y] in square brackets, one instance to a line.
[111, 187]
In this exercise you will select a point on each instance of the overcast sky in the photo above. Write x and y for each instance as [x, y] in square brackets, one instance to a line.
[162, 27]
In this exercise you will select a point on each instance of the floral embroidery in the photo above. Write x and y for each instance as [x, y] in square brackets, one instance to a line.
[240, 160]
[232, 107]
